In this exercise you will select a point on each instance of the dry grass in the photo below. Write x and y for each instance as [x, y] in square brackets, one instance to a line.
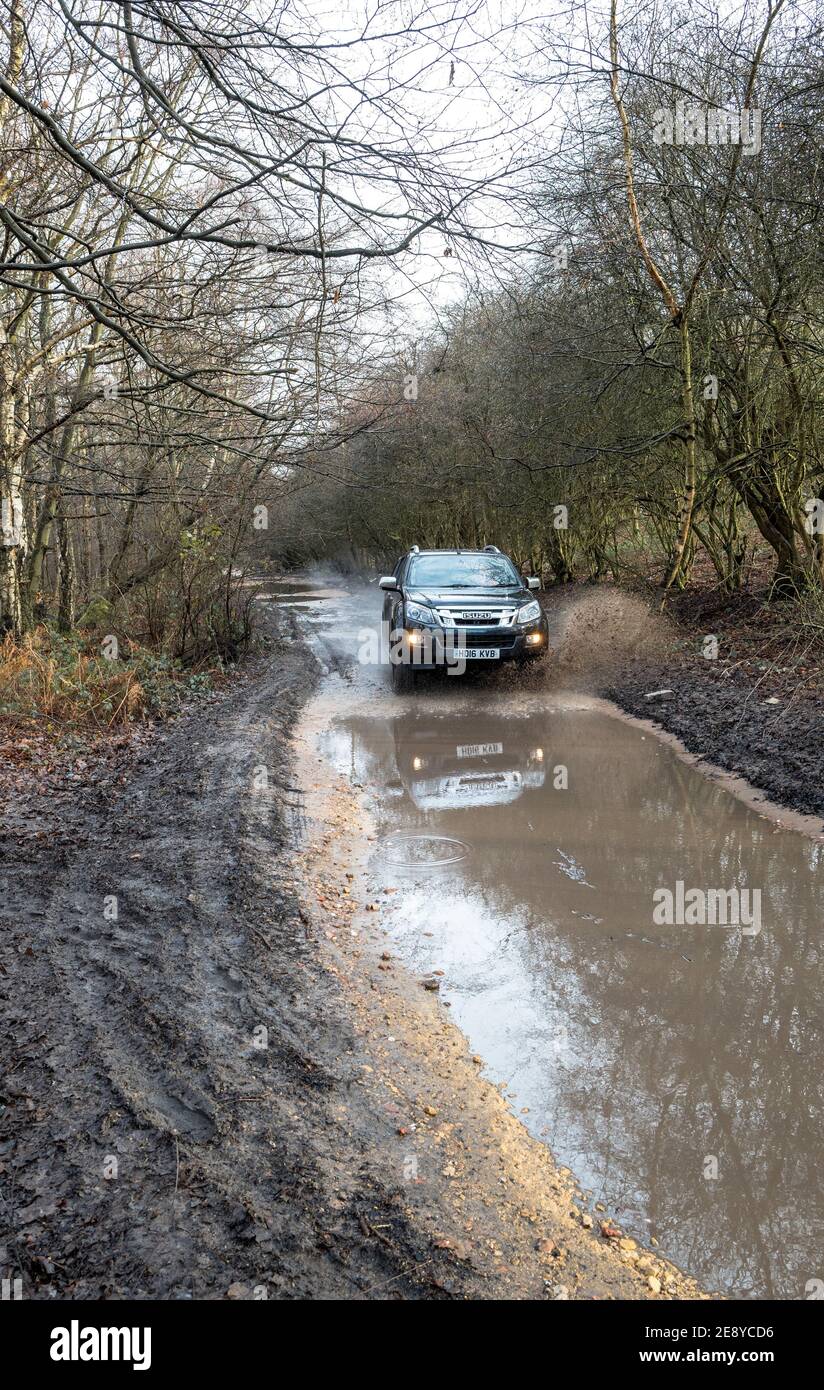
[67, 680]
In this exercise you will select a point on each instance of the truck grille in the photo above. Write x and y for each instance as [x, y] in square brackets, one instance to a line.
[480, 618]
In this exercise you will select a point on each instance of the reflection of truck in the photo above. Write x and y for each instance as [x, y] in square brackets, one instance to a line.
[448, 762]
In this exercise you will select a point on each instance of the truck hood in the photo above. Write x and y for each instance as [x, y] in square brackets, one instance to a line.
[485, 599]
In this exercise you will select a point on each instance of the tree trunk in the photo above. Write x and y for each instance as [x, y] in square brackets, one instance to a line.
[12, 512]
[676, 562]
[68, 585]
[776, 526]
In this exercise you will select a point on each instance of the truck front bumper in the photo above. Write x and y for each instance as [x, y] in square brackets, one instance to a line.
[426, 648]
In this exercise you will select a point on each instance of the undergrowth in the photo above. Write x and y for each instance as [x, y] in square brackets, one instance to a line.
[69, 680]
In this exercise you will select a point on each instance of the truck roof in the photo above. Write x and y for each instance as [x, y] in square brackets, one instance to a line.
[462, 550]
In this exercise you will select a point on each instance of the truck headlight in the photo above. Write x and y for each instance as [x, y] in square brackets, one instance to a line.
[416, 613]
[529, 612]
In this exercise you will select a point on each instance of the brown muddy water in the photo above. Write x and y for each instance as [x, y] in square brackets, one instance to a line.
[675, 1069]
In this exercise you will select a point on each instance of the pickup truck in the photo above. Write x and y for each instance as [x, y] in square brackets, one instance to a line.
[456, 607]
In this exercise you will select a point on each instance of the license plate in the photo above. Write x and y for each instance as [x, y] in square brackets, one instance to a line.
[478, 750]
[479, 653]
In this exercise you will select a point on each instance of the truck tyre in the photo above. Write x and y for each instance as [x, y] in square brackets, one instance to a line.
[403, 678]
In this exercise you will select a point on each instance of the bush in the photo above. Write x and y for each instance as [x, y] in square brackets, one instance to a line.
[68, 680]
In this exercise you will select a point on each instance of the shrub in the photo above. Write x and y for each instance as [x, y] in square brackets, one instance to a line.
[67, 680]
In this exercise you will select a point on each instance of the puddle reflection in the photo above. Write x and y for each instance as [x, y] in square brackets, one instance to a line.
[648, 1056]
[441, 771]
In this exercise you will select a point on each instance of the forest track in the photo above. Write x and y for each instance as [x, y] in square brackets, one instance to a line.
[150, 1149]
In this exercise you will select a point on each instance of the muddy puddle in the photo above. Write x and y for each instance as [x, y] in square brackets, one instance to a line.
[298, 595]
[307, 598]
[676, 1069]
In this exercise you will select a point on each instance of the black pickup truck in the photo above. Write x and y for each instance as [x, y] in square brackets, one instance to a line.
[452, 607]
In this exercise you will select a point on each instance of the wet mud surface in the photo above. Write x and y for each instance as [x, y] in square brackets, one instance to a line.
[776, 742]
[150, 1146]
[199, 1095]
[391, 1020]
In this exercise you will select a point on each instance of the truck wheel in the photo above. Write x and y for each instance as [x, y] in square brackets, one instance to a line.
[403, 678]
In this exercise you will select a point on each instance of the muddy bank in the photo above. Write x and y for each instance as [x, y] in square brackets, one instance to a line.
[208, 1093]
[754, 711]
[774, 741]
[777, 748]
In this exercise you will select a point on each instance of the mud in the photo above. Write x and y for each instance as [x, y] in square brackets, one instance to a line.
[730, 722]
[597, 631]
[255, 1081]
[149, 1148]
[206, 1097]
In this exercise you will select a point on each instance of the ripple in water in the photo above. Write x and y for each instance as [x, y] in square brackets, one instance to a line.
[423, 851]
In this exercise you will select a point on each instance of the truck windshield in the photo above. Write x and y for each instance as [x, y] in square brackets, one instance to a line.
[463, 572]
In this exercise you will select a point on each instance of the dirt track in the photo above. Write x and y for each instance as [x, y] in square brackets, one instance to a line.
[150, 1149]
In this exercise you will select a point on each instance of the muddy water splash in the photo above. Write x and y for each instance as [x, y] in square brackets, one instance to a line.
[675, 1068]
